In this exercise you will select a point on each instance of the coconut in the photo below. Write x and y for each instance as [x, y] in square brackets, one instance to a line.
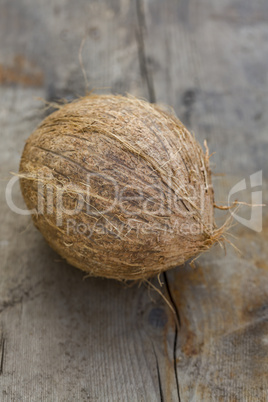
[119, 187]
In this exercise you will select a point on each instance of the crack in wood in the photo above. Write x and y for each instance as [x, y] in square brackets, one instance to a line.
[2, 354]
[158, 376]
[152, 98]
[177, 324]
[142, 51]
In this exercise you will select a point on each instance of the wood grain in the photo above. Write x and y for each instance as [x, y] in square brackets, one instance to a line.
[63, 338]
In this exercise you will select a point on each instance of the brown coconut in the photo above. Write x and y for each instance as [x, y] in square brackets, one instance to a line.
[118, 187]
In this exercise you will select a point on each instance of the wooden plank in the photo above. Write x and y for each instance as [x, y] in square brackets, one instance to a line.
[206, 65]
[220, 342]
[64, 338]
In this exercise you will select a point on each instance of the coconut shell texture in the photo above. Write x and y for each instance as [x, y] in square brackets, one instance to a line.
[142, 182]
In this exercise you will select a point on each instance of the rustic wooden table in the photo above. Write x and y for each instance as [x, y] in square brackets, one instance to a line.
[68, 339]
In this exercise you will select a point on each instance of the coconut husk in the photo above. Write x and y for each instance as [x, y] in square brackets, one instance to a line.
[136, 180]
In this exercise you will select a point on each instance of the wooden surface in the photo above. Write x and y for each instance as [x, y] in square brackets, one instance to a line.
[68, 339]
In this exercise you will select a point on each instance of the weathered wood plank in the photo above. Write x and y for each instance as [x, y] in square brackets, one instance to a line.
[209, 64]
[221, 349]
